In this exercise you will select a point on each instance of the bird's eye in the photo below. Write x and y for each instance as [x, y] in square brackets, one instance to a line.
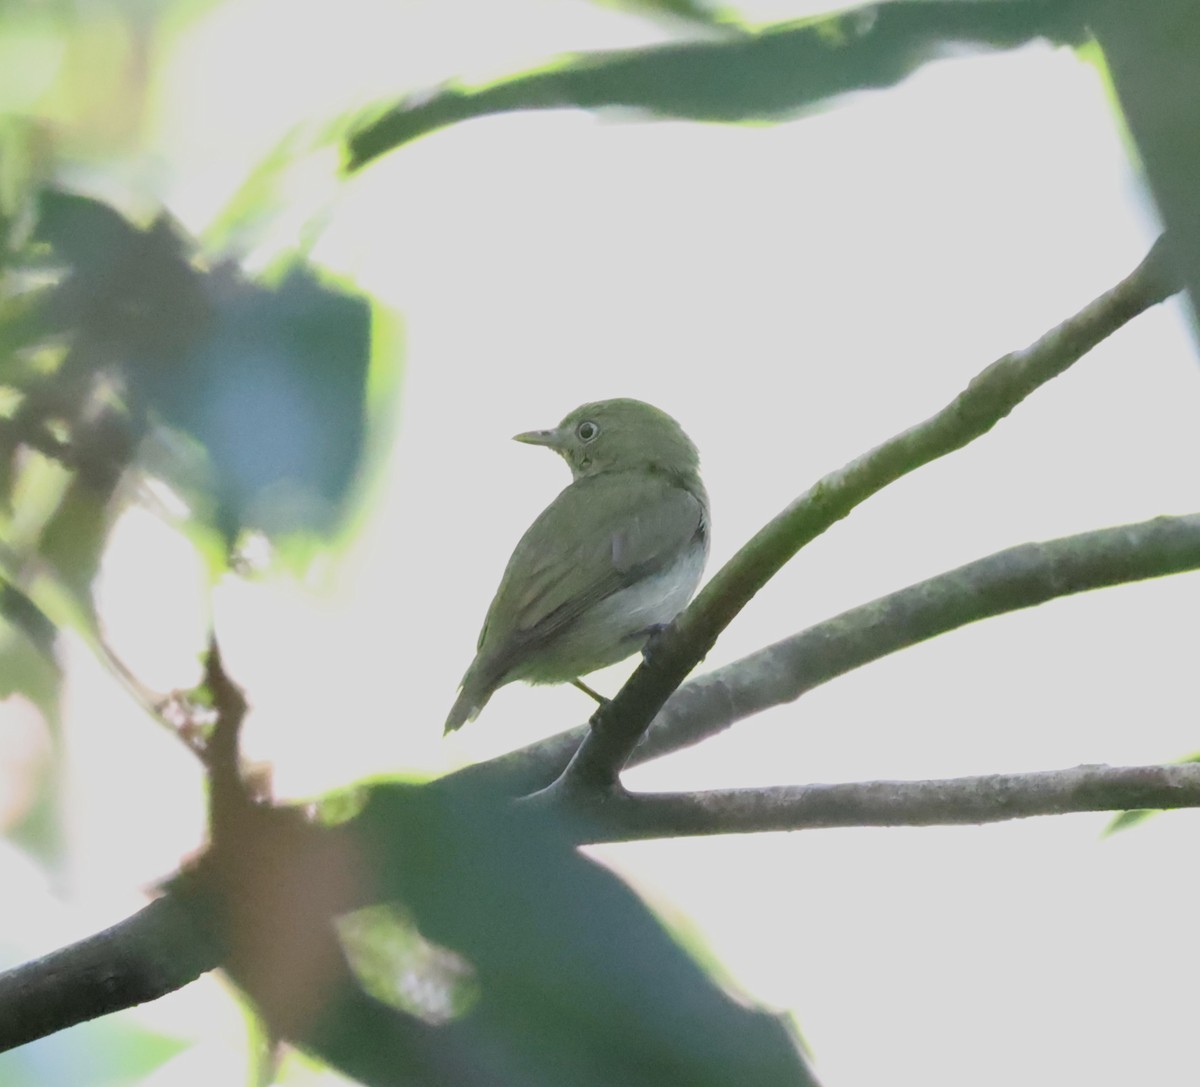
[587, 430]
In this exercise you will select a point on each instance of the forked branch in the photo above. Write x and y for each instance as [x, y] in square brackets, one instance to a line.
[990, 396]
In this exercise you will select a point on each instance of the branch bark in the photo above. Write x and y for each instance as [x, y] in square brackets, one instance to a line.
[993, 798]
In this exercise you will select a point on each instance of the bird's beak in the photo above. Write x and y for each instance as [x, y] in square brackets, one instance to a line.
[553, 439]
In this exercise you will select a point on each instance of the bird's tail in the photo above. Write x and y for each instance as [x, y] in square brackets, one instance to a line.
[477, 686]
[466, 708]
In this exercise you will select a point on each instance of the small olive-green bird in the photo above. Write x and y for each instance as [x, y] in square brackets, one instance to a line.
[612, 559]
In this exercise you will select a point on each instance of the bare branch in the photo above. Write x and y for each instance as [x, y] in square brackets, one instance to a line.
[991, 395]
[1010, 580]
[992, 798]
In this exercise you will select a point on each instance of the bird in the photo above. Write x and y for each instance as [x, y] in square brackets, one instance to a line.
[610, 562]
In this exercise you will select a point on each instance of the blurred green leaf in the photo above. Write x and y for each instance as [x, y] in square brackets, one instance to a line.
[29, 664]
[276, 394]
[85, 233]
[269, 380]
[24, 615]
[24, 162]
[766, 75]
[30, 668]
[1152, 51]
[73, 541]
[579, 983]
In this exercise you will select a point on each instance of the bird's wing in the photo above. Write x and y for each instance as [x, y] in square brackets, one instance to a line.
[605, 532]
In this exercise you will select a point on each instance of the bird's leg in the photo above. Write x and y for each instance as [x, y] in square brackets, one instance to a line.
[588, 691]
[601, 701]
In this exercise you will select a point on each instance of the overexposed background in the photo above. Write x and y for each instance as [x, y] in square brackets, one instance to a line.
[793, 294]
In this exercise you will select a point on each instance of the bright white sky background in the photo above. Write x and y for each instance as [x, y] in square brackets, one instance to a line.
[793, 295]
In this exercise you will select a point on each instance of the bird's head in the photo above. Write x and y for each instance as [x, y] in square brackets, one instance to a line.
[618, 435]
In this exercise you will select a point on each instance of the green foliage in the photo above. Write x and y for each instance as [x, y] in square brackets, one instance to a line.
[1153, 65]
[112, 333]
[766, 75]
[269, 380]
[116, 345]
[28, 661]
[578, 981]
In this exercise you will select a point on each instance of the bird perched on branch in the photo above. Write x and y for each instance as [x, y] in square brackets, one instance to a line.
[616, 556]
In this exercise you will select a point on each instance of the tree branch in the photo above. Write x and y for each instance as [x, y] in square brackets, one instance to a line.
[173, 940]
[1018, 577]
[990, 396]
[157, 950]
[992, 798]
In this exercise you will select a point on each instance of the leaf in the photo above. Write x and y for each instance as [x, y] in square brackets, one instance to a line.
[276, 393]
[767, 75]
[28, 662]
[73, 542]
[578, 981]
[85, 233]
[25, 161]
[270, 380]
[24, 615]
[1126, 819]
[1152, 52]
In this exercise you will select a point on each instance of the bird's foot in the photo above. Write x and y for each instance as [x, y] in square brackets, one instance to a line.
[654, 637]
